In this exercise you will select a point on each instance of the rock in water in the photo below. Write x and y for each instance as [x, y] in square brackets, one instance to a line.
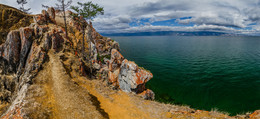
[148, 94]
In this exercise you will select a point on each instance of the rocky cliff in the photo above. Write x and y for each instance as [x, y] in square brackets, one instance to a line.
[47, 74]
[11, 19]
[26, 49]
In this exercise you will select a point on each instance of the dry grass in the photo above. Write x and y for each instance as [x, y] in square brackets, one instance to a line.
[3, 107]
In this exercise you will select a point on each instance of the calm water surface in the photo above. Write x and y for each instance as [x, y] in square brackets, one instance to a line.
[206, 72]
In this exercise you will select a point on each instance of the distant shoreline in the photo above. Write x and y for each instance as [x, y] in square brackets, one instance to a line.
[174, 33]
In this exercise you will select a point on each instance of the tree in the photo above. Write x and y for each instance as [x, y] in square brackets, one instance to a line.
[87, 11]
[22, 2]
[62, 6]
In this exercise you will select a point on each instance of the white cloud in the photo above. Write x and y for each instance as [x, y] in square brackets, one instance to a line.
[227, 15]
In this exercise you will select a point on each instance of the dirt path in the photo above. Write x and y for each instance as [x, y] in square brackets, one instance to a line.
[71, 100]
[79, 98]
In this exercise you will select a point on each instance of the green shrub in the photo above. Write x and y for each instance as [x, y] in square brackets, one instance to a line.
[101, 58]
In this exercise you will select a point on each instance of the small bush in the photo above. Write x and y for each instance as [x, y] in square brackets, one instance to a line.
[101, 58]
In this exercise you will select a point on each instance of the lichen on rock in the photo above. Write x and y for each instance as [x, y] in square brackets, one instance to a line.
[11, 19]
[44, 45]
[132, 78]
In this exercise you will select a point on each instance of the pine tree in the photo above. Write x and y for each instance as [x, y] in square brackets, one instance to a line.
[87, 11]
[22, 2]
[62, 6]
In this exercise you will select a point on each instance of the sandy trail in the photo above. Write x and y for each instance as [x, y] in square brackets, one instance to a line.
[71, 100]
[80, 98]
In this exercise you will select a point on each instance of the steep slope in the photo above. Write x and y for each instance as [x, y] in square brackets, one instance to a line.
[54, 95]
[26, 50]
[11, 19]
[72, 101]
[45, 74]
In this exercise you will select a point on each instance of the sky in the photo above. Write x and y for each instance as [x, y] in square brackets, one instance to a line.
[129, 16]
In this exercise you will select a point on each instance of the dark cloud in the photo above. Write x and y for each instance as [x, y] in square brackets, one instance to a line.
[157, 7]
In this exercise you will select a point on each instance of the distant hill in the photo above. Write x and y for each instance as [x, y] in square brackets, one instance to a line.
[172, 33]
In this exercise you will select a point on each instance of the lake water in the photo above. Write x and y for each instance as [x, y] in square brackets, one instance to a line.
[208, 72]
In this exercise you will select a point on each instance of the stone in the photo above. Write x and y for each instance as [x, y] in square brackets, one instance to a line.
[51, 12]
[147, 94]
[32, 25]
[113, 77]
[106, 61]
[82, 68]
[116, 56]
[45, 15]
[35, 59]
[47, 42]
[57, 41]
[44, 18]
[96, 66]
[109, 39]
[26, 35]
[69, 19]
[93, 52]
[115, 45]
[39, 30]
[12, 48]
[12, 19]
[39, 19]
[255, 115]
[116, 60]
[104, 72]
[132, 78]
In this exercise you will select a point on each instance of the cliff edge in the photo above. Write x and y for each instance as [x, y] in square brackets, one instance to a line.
[45, 73]
[11, 19]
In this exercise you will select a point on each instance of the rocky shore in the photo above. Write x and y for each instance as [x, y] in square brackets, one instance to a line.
[45, 73]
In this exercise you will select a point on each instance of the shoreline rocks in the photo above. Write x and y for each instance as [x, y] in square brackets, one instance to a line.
[132, 78]
[27, 48]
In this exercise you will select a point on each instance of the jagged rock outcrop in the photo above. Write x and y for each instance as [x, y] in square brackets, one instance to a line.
[26, 50]
[11, 49]
[51, 12]
[11, 19]
[57, 40]
[148, 94]
[26, 35]
[116, 60]
[255, 115]
[42, 19]
[132, 77]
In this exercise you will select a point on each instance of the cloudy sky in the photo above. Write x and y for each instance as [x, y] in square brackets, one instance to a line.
[230, 16]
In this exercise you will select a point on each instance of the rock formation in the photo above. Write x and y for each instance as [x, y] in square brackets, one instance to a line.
[43, 42]
[26, 50]
[11, 19]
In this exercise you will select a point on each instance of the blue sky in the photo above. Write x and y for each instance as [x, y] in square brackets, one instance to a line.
[124, 16]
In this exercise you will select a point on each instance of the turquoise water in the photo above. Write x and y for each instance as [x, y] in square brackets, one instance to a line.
[207, 72]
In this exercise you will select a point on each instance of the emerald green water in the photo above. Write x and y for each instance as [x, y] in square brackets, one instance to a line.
[208, 72]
